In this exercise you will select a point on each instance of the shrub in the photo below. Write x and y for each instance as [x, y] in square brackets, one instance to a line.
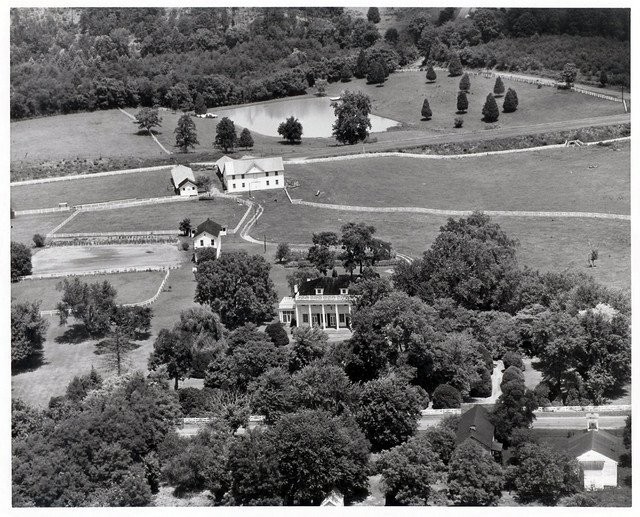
[283, 253]
[446, 396]
[277, 333]
[483, 388]
[510, 101]
[426, 110]
[185, 246]
[457, 122]
[465, 83]
[604, 79]
[512, 373]
[513, 359]
[38, 240]
[455, 66]
[462, 103]
[498, 88]
[431, 74]
[490, 112]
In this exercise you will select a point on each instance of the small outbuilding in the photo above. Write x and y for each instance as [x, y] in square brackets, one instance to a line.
[597, 453]
[184, 182]
[208, 235]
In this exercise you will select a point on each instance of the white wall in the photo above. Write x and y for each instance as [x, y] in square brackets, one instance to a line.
[206, 240]
[188, 189]
[254, 182]
[596, 479]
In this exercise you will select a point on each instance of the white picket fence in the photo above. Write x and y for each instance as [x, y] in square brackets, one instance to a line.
[151, 233]
[110, 271]
[435, 412]
[582, 409]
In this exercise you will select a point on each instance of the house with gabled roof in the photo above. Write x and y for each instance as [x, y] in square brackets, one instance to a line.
[184, 182]
[322, 302]
[598, 453]
[208, 235]
[475, 425]
[249, 173]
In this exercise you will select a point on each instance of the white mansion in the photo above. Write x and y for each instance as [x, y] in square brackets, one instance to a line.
[249, 173]
[322, 302]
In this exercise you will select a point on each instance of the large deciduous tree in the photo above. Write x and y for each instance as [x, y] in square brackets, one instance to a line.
[291, 130]
[352, 118]
[186, 133]
[28, 331]
[238, 287]
[20, 261]
[373, 15]
[513, 410]
[173, 350]
[455, 66]
[226, 137]
[92, 304]
[474, 478]
[309, 344]
[245, 140]
[148, 118]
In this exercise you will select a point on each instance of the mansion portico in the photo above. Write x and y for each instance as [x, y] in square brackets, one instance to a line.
[322, 302]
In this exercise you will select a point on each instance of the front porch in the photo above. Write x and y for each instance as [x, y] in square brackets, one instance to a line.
[325, 316]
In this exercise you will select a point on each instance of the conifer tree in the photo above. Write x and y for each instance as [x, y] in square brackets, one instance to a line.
[199, 106]
[510, 101]
[360, 70]
[455, 66]
[498, 88]
[431, 74]
[465, 83]
[463, 103]
[426, 110]
[490, 111]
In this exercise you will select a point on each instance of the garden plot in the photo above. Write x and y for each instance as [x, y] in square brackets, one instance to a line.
[83, 259]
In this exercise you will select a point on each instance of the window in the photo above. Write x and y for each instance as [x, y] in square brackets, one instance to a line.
[276, 173]
[267, 183]
[267, 174]
[344, 290]
[305, 318]
[319, 290]
[243, 176]
[276, 182]
[243, 185]
[233, 177]
[286, 316]
[201, 242]
[341, 318]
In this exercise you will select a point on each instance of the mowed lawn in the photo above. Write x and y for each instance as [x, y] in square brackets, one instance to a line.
[589, 179]
[80, 135]
[138, 185]
[165, 216]
[402, 95]
[547, 244]
[23, 227]
[131, 288]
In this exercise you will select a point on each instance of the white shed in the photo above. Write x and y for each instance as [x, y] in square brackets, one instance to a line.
[598, 453]
[184, 182]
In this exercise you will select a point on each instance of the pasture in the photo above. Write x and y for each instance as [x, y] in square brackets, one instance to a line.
[132, 287]
[164, 216]
[23, 227]
[591, 179]
[139, 185]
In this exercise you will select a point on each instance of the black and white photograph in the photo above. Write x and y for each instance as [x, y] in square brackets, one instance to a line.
[325, 254]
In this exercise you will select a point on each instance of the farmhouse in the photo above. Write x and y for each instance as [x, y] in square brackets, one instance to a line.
[249, 173]
[208, 235]
[597, 453]
[475, 425]
[322, 302]
[184, 182]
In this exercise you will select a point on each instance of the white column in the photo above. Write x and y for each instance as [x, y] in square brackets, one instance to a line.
[324, 318]
[337, 318]
[297, 316]
[310, 318]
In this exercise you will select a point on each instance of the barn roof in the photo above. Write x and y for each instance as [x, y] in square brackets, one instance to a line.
[208, 226]
[599, 441]
[252, 165]
[475, 424]
[180, 174]
[330, 284]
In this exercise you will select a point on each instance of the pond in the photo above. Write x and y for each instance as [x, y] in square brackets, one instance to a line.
[315, 114]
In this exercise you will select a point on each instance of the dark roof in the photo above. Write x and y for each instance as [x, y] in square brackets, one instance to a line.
[208, 226]
[330, 284]
[599, 441]
[477, 417]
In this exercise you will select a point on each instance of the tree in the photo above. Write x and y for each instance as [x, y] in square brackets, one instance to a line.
[543, 474]
[360, 71]
[308, 477]
[28, 330]
[373, 15]
[446, 14]
[92, 304]
[513, 359]
[498, 87]
[309, 344]
[80, 387]
[273, 394]
[172, 350]
[199, 105]
[604, 79]
[321, 87]
[391, 35]
[490, 112]
[510, 101]
[465, 83]
[283, 252]
[277, 333]
[147, 119]
[20, 261]
[301, 275]
[185, 226]
[291, 130]
[446, 396]
[455, 66]
[352, 118]
[431, 74]
[426, 110]
[345, 73]
[462, 103]
[237, 286]
[356, 239]
[456, 361]
[569, 74]
[186, 134]
[326, 387]
[458, 122]
[375, 74]
[441, 439]
[369, 291]
[512, 373]
[226, 137]
[513, 410]
[388, 411]
[474, 478]
[204, 182]
[38, 240]
[322, 257]
[245, 140]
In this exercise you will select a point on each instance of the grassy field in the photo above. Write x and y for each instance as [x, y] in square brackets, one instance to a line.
[157, 217]
[24, 227]
[139, 185]
[546, 244]
[131, 287]
[593, 179]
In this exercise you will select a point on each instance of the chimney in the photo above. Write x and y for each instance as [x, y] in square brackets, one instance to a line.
[592, 421]
[472, 428]
[295, 290]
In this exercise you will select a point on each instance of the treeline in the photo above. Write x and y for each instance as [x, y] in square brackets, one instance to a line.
[67, 60]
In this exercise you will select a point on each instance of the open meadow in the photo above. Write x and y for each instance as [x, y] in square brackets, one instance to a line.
[164, 216]
[23, 227]
[591, 179]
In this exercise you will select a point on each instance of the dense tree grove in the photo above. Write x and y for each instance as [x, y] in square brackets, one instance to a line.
[28, 331]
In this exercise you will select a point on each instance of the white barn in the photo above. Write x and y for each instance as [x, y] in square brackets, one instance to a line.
[184, 181]
[249, 173]
[208, 235]
[597, 453]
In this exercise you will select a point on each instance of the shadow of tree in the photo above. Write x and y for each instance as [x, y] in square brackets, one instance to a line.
[75, 334]
[29, 365]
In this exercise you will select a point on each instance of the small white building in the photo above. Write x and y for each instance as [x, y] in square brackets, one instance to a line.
[248, 173]
[208, 235]
[597, 453]
[322, 302]
[184, 181]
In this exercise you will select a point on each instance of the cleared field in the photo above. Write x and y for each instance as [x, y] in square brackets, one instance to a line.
[24, 227]
[79, 135]
[546, 244]
[131, 287]
[402, 95]
[591, 179]
[138, 185]
[157, 217]
[77, 259]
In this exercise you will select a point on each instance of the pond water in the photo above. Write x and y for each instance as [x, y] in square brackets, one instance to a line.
[315, 114]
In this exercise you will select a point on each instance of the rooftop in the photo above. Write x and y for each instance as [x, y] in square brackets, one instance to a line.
[330, 285]
[209, 226]
[180, 174]
[475, 424]
[229, 166]
[599, 441]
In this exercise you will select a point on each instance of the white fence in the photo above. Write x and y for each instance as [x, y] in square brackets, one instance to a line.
[160, 233]
[36, 211]
[136, 269]
[154, 297]
[582, 409]
[88, 175]
[435, 412]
